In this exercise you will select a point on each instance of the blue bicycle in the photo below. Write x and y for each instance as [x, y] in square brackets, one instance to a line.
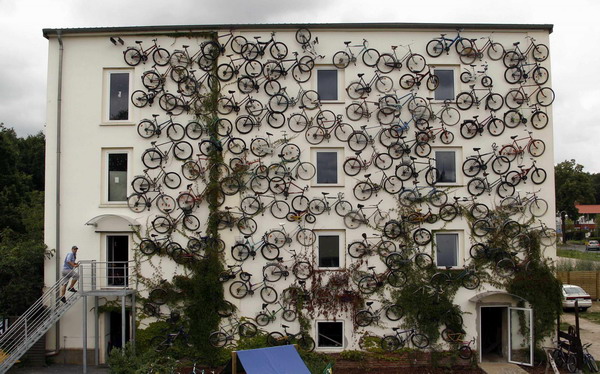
[435, 47]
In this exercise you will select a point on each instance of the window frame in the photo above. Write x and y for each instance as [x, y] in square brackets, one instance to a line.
[106, 97]
[110, 282]
[340, 160]
[321, 348]
[455, 86]
[105, 176]
[341, 248]
[457, 165]
[460, 248]
[340, 83]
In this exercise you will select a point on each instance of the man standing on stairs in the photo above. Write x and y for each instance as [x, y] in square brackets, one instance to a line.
[68, 273]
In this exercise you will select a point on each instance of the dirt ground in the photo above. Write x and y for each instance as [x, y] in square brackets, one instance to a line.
[589, 332]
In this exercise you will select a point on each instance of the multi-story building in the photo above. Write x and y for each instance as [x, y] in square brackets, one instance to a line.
[400, 114]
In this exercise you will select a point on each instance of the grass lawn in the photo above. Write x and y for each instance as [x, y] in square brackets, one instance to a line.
[590, 256]
[591, 316]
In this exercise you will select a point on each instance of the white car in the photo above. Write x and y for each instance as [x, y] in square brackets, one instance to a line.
[592, 245]
[573, 293]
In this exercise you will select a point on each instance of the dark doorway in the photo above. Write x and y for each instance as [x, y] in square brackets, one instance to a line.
[118, 254]
[493, 336]
[115, 332]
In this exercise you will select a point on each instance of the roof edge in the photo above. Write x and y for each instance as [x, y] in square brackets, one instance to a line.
[47, 32]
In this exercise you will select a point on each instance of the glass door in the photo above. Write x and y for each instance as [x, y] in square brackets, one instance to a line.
[520, 331]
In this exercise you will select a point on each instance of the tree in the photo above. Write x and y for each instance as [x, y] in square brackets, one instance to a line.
[572, 185]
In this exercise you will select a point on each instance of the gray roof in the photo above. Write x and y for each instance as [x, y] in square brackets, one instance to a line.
[199, 28]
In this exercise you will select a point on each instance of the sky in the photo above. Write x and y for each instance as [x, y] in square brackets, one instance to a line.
[23, 66]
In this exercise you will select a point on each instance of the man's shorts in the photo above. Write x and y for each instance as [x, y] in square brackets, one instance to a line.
[69, 274]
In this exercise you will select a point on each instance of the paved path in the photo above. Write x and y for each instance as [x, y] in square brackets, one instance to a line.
[501, 368]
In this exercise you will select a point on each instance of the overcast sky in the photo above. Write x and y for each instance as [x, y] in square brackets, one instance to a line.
[574, 45]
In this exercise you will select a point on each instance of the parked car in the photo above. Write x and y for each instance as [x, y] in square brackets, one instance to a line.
[572, 293]
[592, 245]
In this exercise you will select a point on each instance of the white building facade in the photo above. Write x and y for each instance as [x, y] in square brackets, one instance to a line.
[415, 108]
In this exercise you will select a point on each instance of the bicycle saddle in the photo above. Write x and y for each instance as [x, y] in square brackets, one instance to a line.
[476, 116]
[476, 149]
[364, 235]
[156, 115]
[257, 37]
[369, 303]
[360, 206]
[231, 266]
[516, 43]
[443, 35]
[138, 41]
[302, 282]
[325, 193]
[514, 137]
[231, 91]
[247, 236]
[153, 235]
[367, 175]
[284, 326]
[395, 328]
[472, 65]
[473, 40]
[347, 43]
[360, 75]
[264, 305]
[358, 153]
[371, 267]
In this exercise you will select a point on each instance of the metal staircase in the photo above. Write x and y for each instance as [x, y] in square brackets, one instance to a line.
[33, 324]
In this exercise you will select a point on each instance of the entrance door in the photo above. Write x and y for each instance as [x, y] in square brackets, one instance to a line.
[115, 332]
[520, 330]
[117, 247]
[493, 333]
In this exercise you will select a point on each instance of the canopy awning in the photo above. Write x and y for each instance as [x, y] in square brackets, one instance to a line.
[274, 360]
[112, 223]
[483, 295]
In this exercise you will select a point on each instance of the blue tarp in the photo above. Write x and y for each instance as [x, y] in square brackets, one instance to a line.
[275, 360]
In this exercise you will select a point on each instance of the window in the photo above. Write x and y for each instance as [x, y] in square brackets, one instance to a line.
[118, 85]
[327, 84]
[330, 334]
[446, 249]
[327, 162]
[117, 247]
[445, 90]
[330, 248]
[445, 163]
[116, 175]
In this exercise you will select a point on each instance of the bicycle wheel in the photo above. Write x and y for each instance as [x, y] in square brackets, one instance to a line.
[513, 118]
[238, 289]
[501, 165]
[268, 294]
[363, 191]
[450, 116]
[545, 96]
[422, 149]
[301, 73]
[305, 170]
[306, 237]
[415, 63]
[439, 281]
[152, 158]
[432, 82]
[240, 252]
[175, 132]
[146, 129]
[353, 220]
[539, 119]
[166, 204]
[505, 268]
[315, 134]
[289, 315]
[275, 338]
[302, 270]
[148, 247]
[278, 103]
[420, 341]
[151, 80]
[223, 127]
[392, 185]
[448, 212]
[386, 63]
[482, 227]
[357, 90]
[246, 225]
[536, 147]
[465, 352]
[476, 186]
[341, 60]
[513, 75]
[352, 166]
[357, 249]
[279, 209]
[343, 131]
[139, 98]
[370, 57]
[303, 36]
[290, 152]
[342, 207]
[472, 166]
[514, 99]
[355, 111]
[182, 150]
[437, 198]
[133, 56]
[278, 50]
[538, 207]
[470, 281]
[423, 261]
[540, 52]
[191, 222]
[272, 273]
[464, 101]
[300, 203]
[310, 99]
[297, 122]
[509, 151]
[363, 318]
[479, 211]
[259, 184]
[390, 343]
[358, 141]
[538, 176]
[434, 48]
[262, 319]
[422, 236]
[494, 102]
[367, 284]
[432, 176]
[407, 81]
[384, 84]
[495, 51]
[269, 251]
[158, 296]
[591, 363]
[540, 75]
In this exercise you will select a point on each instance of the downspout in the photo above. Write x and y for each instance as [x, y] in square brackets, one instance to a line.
[58, 147]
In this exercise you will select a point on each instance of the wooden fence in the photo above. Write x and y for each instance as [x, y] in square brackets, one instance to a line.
[588, 280]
